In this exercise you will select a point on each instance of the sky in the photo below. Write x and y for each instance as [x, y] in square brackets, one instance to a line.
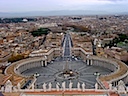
[50, 5]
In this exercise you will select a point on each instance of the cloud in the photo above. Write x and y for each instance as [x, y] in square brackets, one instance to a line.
[85, 2]
[46, 5]
[114, 0]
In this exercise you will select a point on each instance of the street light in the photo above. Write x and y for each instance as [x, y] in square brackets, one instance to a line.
[36, 75]
[97, 74]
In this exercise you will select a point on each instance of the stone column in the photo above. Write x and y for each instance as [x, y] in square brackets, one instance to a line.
[45, 63]
[91, 62]
[87, 61]
[42, 63]
[115, 83]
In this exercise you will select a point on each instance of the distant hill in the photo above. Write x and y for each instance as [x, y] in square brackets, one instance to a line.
[54, 13]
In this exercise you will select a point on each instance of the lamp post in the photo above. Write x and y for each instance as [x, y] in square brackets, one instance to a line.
[35, 76]
[97, 74]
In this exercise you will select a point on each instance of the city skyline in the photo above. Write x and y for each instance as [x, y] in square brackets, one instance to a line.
[61, 47]
[20, 6]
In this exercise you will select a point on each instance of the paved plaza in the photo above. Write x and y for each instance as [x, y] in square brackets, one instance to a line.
[85, 73]
[74, 66]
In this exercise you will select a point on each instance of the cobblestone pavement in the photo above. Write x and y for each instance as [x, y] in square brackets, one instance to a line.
[85, 73]
[54, 71]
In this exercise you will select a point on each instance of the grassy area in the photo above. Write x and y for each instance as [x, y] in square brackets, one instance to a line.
[121, 44]
[121, 40]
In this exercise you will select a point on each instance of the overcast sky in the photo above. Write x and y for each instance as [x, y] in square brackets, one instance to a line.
[48, 5]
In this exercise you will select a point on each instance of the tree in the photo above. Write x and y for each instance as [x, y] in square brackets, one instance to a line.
[122, 37]
[41, 31]
[16, 58]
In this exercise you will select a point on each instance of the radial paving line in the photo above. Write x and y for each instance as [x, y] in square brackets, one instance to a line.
[87, 81]
[85, 69]
[55, 70]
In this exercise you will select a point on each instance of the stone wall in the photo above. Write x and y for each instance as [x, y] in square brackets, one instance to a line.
[118, 68]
